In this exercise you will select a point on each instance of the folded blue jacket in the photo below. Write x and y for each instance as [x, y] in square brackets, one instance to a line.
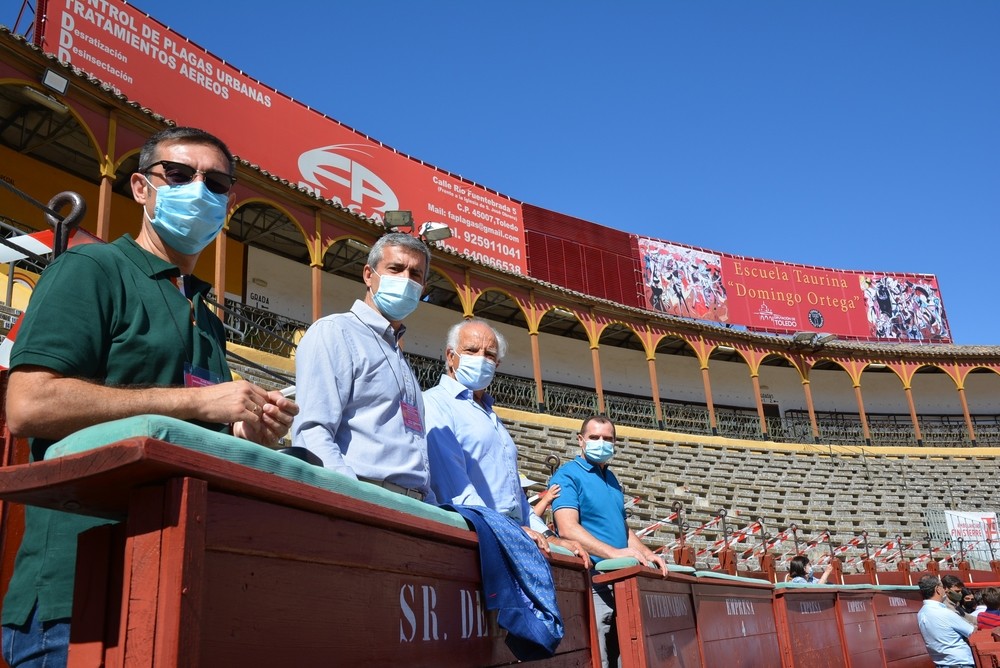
[517, 582]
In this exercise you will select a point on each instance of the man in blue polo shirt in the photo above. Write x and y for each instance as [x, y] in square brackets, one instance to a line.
[590, 509]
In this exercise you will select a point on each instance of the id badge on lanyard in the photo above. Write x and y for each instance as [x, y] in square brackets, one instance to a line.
[411, 417]
[195, 376]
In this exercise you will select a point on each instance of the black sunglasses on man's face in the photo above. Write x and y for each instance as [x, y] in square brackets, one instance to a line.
[179, 174]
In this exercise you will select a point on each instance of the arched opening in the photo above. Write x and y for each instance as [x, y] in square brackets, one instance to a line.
[44, 150]
[886, 407]
[781, 391]
[682, 393]
[564, 349]
[836, 405]
[982, 394]
[625, 377]
[264, 241]
[733, 394]
[54, 136]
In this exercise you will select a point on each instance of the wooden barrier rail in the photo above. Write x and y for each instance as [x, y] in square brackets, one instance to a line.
[810, 631]
[985, 649]
[704, 619]
[216, 564]
[656, 617]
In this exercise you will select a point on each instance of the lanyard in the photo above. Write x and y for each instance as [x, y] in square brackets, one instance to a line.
[404, 387]
[170, 311]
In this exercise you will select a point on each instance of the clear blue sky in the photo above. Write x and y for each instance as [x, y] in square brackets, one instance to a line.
[848, 134]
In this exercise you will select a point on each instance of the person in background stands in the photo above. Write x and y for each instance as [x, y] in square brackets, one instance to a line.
[945, 634]
[989, 618]
[117, 330]
[473, 459]
[361, 409]
[590, 509]
[800, 573]
[545, 500]
[953, 588]
[968, 604]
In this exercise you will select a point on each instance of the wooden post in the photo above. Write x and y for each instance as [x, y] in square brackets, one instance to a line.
[684, 555]
[536, 368]
[866, 432]
[755, 379]
[913, 415]
[598, 383]
[708, 400]
[837, 576]
[727, 561]
[870, 570]
[655, 387]
[768, 566]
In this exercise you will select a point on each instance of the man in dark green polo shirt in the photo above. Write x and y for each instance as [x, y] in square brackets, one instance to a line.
[116, 330]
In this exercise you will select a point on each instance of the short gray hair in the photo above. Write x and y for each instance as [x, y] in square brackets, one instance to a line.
[400, 240]
[455, 331]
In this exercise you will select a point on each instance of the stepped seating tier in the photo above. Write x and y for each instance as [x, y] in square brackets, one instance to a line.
[845, 493]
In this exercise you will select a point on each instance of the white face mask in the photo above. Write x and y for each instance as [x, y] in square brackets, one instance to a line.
[187, 217]
[397, 296]
[599, 451]
[475, 371]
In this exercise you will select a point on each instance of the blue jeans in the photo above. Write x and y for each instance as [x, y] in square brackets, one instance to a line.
[36, 644]
[607, 627]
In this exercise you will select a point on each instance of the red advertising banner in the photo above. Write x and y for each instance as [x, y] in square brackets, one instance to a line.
[156, 67]
[765, 295]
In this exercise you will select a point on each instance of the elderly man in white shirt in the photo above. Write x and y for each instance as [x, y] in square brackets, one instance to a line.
[472, 456]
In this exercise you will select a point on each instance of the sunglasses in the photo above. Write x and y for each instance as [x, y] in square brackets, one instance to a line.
[179, 174]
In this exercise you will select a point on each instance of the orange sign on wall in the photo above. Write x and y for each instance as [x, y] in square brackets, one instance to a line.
[765, 295]
[160, 69]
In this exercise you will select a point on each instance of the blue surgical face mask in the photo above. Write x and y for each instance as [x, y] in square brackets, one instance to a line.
[187, 217]
[475, 371]
[599, 451]
[397, 296]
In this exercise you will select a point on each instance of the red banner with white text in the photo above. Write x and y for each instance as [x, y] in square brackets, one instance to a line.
[158, 68]
[764, 295]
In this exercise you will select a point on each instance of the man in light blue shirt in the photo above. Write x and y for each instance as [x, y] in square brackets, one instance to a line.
[361, 411]
[472, 456]
[945, 633]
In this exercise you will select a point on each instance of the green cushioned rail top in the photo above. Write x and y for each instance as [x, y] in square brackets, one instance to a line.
[558, 549]
[249, 454]
[802, 585]
[606, 565]
[805, 585]
[715, 575]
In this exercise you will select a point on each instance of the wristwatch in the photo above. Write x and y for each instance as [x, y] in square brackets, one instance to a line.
[549, 533]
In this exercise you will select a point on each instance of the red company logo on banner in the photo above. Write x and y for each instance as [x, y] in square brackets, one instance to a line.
[770, 296]
[156, 67]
